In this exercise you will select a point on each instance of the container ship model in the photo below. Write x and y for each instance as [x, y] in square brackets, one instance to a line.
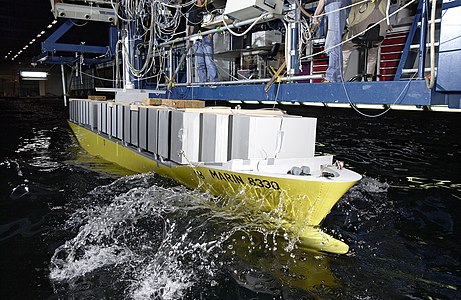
[266, 52]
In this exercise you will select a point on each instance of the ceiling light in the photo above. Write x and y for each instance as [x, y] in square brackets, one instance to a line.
[30, 43]
[20, 51]
[25, 47]
[39, 35]
[54, 22]
[42, 32]
[30, 75]
[49, 26]
[6, 56]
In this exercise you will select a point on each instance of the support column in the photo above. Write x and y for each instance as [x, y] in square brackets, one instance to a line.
[64, 87]
[294, 62]
[422, 39]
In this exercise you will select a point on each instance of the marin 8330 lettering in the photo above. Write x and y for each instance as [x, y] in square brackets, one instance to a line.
[233, 178]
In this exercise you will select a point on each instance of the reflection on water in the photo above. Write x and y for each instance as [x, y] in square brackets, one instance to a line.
[414, 183]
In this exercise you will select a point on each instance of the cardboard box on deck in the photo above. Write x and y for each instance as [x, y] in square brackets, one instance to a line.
[97, 98]
[174, 103]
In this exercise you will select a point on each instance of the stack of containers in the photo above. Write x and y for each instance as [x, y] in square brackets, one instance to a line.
[200, 135]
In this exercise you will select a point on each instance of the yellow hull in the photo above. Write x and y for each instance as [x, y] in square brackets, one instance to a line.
[298, 205]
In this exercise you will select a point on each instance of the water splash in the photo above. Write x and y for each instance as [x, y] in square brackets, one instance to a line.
[165, 242]
[156, 235]
[73, 265]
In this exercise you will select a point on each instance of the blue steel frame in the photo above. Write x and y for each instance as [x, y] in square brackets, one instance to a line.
[414, 92]
[50, 47]
[449, 62]
[404, 92]
[411, 35]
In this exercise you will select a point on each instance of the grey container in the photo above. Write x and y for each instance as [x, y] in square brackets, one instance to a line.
[143, 117]
[134, 138]
[104, 117]
[93, 114]
[152, 128]
[126, 123]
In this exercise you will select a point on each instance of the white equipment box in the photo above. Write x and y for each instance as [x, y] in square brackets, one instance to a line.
[185, 136]
[244, 10]
[265, 38]
[83, 12]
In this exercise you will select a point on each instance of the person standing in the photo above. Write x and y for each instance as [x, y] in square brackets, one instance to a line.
[203, 46]
[360, 18]
[336, 13]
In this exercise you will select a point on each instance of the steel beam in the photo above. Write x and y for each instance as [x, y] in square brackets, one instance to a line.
[377, 92]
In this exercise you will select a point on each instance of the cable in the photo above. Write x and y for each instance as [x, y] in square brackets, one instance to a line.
[303, 10]
[248, 29]
[382, 113]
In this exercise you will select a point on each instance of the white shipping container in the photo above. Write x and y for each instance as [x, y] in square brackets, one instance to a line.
[109, 119]
[254, 137]
[93, 115]
[164, 133]
[152, 130]
[296, 138]
[185, 136]
[80, 111]
[120, 120]
[114, 121]
[214, 135]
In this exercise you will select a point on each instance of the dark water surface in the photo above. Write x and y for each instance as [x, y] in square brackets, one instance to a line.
[76, 227]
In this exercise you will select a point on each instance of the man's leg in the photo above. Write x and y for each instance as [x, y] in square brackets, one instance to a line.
[200, 61]
[211, 69]
[332, 40]
[348, 48]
